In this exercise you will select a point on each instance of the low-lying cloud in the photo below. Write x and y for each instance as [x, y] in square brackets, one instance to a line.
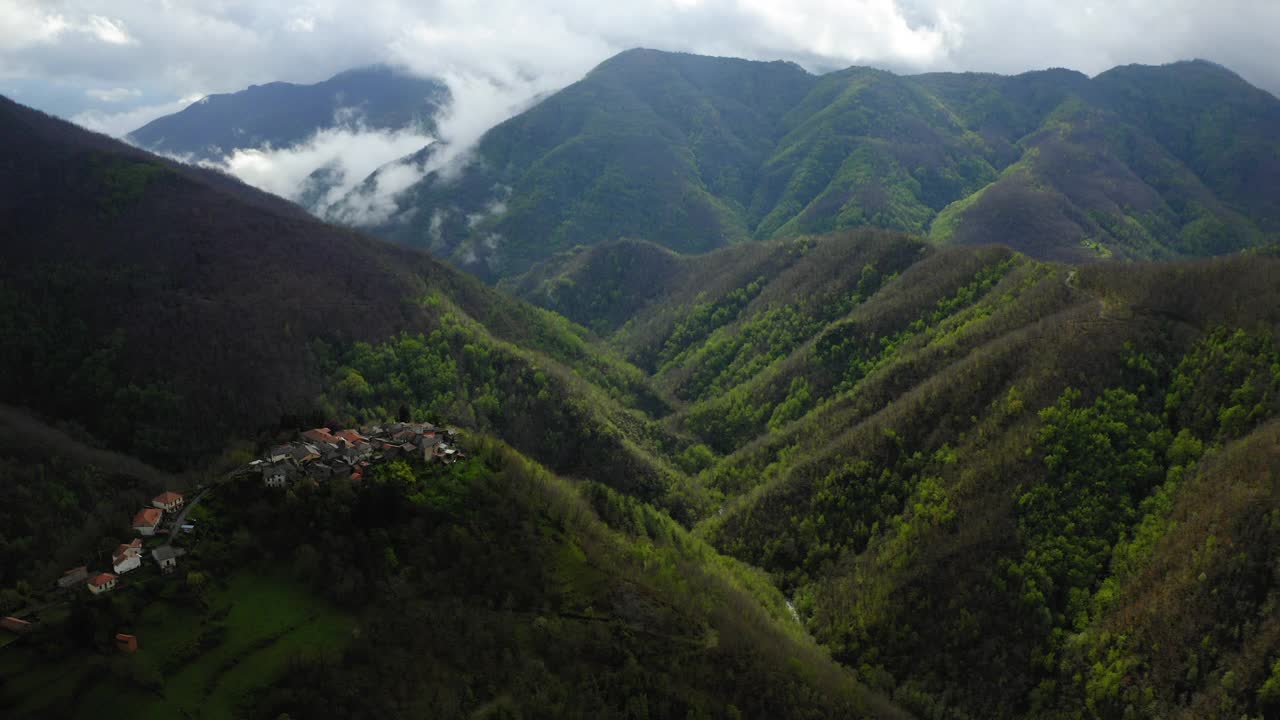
[345, 156]
[373, 202]
[122, 122]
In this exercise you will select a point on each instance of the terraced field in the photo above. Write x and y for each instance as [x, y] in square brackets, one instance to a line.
[202, 662]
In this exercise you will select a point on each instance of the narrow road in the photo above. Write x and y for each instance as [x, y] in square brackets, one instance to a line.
[181, 517]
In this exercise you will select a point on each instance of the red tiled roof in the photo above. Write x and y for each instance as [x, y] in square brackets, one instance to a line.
[101, 579]
[148, 517]
[123, 549]
[351, 436]
[167, 498]
[320, 435]
[72, 571]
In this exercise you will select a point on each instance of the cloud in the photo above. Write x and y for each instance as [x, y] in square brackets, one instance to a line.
[113, 95]
[374, 201]
[170, 48]
[124, 121]
[108, 31]
[344, 156]
[24, 24]
[303, 24]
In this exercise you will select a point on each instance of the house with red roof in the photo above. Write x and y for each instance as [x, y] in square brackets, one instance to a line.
[168, 501]
[147, 521]
[351, 436]
[102, 582]
[127, 557]
[14, 625]
[320, 435]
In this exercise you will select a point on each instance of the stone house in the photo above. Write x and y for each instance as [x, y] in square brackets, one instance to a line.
[166, 556]
[73, 577]
[276, 475]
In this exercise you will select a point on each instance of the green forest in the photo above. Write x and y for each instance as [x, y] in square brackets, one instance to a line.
[817, 470]
[696, 153]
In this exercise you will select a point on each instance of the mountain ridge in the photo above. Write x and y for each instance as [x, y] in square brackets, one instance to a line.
[730, 150]
[282, 114]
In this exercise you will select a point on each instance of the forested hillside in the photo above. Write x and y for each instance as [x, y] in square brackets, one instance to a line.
[489, 588]
[997, 487]
[695, 153]
[171, 312]
[177, 315]
[987, 484]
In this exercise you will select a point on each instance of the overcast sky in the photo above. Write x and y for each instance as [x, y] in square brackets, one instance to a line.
[115, 64]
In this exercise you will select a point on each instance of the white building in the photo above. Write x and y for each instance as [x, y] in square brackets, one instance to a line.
[102, 582]
[127, 557]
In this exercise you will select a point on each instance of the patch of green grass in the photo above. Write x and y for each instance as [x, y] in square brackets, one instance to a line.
[253, 627]
[268, 622]
[29, 689]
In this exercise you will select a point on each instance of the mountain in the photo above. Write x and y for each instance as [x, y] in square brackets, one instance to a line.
[171, 311]
[156, 310]
[996, 486]
[857, 473]
[695, 153]
[280, 114]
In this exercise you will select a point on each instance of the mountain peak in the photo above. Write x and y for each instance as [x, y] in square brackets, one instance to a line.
[641, 56]
[282, 114]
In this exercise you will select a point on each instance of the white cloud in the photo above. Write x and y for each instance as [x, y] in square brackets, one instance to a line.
[108, 31]
[303, 24]
[374, 202]
[121, 122]
[171, 48]
[349, 154]
[23, 24]
[113, 95]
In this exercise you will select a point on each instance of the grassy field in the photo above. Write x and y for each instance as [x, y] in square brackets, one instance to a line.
[207, 661]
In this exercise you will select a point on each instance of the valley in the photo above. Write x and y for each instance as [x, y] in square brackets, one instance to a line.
[776, 395]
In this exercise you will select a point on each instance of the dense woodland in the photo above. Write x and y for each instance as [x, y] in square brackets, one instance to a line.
[987, 484]
[696, 153]
[494, 587]
[964, 465]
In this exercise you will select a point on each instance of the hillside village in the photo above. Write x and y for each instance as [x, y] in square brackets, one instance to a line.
[322, 454]
[319, 454]
[127, 557]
